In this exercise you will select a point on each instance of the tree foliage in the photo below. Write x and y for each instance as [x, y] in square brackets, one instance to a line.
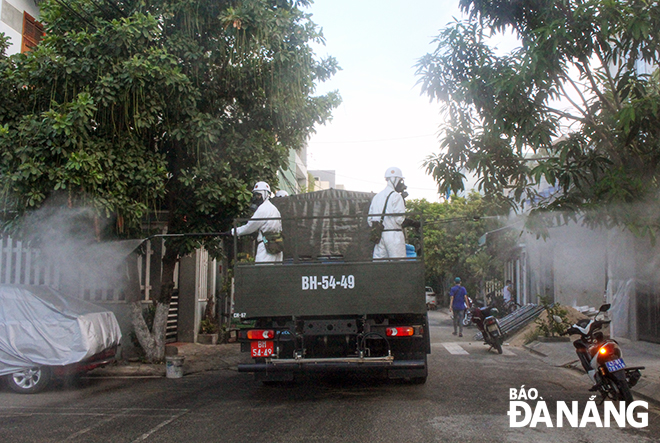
[574, 109]
[159, 104]
[452, 246]
[149, 105]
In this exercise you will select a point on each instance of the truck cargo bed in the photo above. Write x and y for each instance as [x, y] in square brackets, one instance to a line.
[325, 289]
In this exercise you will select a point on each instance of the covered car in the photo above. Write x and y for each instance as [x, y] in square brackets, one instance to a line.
[44, 333]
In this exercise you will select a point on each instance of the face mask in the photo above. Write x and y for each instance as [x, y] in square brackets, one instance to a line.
[401, 188]
[257, 200]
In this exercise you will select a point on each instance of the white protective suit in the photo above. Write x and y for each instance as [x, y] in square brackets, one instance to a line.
[392, 243]
[506, 293]
[265, 210]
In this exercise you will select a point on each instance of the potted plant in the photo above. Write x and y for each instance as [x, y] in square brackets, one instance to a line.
[208, 332]
[552, 327]
[208, 327]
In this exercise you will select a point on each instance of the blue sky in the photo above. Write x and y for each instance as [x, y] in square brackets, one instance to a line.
[384, 120]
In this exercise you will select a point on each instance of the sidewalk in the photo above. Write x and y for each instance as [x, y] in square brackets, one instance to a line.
[197, 358]
[635, 353]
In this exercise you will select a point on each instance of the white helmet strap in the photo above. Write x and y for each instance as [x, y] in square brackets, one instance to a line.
[394, 181]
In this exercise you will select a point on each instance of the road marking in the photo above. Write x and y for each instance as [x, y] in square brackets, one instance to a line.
[9, 411]
[455, 348]
[159, 426]
[104, 416]
[97, 424]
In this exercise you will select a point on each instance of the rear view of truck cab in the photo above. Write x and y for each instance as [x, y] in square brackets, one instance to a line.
[329, 306]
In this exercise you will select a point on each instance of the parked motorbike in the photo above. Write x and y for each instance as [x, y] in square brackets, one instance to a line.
[602, 359]
[467, 320]
[484, 318]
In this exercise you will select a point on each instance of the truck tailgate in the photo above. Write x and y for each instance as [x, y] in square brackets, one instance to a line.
[388, 287]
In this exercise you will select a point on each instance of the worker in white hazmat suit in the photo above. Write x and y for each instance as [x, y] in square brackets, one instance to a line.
[269, 238]
[392, 243]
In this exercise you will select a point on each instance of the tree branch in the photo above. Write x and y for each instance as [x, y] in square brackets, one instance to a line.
[610, 81]
[566, 115]
[584, 110]
[594, 86]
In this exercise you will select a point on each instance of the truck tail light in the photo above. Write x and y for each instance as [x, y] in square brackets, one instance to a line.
[260, 334]
[401, 331]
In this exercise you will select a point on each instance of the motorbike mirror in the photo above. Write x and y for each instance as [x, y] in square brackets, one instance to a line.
[557, 319]
[605, 307]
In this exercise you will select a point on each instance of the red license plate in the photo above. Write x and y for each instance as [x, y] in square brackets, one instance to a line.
[262, 348]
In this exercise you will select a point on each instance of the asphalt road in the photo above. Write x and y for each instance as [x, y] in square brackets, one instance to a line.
[465, 399]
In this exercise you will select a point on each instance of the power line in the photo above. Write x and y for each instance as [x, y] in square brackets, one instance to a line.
[381, 183]
[377, 141]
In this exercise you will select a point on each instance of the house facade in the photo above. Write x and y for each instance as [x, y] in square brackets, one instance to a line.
[19, 20]
[295, 178]
[584, 267]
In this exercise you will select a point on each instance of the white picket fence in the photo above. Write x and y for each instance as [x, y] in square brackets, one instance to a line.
[21, 265]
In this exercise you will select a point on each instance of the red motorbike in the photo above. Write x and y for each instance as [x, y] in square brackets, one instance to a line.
[484, 318]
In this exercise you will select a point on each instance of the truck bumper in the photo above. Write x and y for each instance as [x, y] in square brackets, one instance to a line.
[332, 364]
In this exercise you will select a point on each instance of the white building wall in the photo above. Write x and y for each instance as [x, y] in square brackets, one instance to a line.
[11, 20]
[571, 266]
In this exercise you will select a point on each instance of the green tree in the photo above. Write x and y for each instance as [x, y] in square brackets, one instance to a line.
[159, 105]
[451, 241]
[575, 106]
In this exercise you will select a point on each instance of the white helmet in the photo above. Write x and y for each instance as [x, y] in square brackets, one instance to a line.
[393, 175]
[281, 193]
[393, 172]
[261, 186]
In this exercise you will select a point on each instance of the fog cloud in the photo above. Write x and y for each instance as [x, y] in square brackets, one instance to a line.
[68, 239]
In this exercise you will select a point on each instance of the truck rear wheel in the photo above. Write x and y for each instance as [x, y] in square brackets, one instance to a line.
[273, 378]
[418, 380]
[421, 379]
[412, 376]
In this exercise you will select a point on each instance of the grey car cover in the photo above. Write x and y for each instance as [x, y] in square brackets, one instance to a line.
[42, 327]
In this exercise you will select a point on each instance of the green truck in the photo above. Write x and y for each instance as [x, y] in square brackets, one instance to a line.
[329, 306]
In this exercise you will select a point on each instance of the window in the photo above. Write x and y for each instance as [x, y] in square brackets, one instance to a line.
[33, 31]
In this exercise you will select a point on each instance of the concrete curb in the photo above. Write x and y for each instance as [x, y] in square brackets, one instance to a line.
[556, 354]
[129, 370]
[648, 389]
[197, 358]
[531, 347]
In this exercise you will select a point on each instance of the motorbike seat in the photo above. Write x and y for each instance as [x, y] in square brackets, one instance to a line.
[486, 312]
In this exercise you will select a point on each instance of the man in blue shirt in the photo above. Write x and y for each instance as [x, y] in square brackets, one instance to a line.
[458, 303]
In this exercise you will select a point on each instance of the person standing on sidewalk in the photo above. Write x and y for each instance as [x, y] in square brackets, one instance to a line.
[458, 303]
[507, 292]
